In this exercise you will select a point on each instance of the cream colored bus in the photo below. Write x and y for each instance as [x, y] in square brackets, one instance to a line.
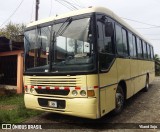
[85, 63]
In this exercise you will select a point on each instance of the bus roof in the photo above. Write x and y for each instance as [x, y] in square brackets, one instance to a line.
[89, 10]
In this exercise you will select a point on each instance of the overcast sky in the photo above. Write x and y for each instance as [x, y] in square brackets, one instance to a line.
[145, 11]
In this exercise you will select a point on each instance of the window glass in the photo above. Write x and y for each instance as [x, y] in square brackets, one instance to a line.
[134, 46]
[125, 47]
[108, 44]
[100, 37]
[139, 48]
[152, 52]
[131, 48]
[149, 51]
[119, 40]
[105, 44]
[144, 50]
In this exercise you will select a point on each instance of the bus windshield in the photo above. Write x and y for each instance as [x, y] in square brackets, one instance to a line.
[61, 47]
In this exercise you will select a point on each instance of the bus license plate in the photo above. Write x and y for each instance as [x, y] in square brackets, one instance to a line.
[52, 104]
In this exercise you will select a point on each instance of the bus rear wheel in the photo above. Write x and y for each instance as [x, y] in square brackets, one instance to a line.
[147, 84]
[119, 100]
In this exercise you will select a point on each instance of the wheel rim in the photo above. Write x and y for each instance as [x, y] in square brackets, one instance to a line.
[119, 101]
[147, 83]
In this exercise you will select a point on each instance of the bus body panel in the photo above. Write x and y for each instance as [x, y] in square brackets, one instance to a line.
[108, 85]
[82, 107]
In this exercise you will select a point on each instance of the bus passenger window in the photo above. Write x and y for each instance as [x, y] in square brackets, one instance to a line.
[151, 49]
[144, 50]
[139, 48]
[134, 45]
[121, 41]
[149, 52]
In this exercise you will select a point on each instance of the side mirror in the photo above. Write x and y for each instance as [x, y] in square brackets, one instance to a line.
[109, 29]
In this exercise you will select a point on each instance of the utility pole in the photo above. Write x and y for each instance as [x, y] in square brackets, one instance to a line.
[36, 18]
[36, 10]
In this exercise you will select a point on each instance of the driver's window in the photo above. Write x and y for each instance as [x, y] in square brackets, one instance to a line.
[105, 44]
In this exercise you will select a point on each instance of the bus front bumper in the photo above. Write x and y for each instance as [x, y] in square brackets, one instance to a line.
[81, 107]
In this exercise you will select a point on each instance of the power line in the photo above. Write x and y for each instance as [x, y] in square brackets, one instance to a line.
[152, 34]
[69, 3]
[149, 27]
[155, 39]
[76, 3]
[141, 22]
[12, 13]
[70, 8]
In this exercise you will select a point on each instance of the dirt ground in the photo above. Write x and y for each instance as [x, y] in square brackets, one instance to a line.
[144, 107]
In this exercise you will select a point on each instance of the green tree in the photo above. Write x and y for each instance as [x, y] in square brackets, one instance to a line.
[13, 31]
[157, 64]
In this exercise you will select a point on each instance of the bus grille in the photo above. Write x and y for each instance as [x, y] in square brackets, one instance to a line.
[70, 81]
[55, 81]
[52, 91]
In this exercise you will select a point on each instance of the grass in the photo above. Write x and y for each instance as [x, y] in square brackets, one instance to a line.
[12, 109]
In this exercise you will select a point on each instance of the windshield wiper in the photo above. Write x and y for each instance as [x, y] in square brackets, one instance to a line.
[60, 32]
[63, 27]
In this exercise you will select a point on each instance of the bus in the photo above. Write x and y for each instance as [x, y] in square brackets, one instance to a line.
[85, 63]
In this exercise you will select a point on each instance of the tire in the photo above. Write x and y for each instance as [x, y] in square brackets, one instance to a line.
[119, 100]
[147, 84]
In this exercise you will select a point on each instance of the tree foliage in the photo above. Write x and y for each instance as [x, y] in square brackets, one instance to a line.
[157, 64]
[13, 31]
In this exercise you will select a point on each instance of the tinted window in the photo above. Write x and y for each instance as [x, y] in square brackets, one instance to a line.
[121, 41]
[108, 44]
[139, 48]
[151, 52]
[131, 48]
[144, 50]
[105, 44]
[125, 47]
[100, 37]
[134, 46]
[148, 51]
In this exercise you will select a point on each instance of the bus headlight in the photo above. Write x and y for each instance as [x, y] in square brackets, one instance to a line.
[83, 93]
[74, 92]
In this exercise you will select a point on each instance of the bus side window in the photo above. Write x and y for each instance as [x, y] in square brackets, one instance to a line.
[121, 41]
[139, 48]
[131, 48]
[152, 52]
[151, 49]
[149, 52]
[144, 50]
[134, 46]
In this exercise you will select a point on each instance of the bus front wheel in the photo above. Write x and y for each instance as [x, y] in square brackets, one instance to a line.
[119, 100]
